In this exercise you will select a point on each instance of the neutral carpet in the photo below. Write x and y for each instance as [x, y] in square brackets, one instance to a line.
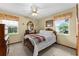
[55, 50]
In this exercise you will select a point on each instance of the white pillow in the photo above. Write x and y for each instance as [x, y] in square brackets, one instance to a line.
[44, 32]
[47, 33]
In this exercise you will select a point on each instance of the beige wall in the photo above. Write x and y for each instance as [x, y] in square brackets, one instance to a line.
[70, 39]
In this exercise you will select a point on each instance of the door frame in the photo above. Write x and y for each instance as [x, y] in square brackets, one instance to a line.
[77, 35]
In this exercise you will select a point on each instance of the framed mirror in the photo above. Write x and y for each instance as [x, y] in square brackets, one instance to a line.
[30, 25]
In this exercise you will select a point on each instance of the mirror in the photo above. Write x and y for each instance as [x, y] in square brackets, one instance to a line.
[30, 26]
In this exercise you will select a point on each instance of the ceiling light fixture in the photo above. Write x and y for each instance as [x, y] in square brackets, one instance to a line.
[34, 10]
[34, 14]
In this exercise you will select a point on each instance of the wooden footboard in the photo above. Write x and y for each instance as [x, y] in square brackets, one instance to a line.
[28, 44]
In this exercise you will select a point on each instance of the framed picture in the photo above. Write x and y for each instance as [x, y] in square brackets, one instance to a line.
[49, 23]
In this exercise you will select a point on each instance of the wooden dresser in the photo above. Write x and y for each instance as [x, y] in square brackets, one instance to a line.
[29, 32]
[3, 46]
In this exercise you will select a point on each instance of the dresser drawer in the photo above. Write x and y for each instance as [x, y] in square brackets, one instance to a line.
[3, 48]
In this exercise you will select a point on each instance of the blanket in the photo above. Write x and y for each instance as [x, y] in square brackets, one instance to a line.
[38, 38]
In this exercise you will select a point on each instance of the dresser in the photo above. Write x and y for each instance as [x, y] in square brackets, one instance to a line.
[3, 47]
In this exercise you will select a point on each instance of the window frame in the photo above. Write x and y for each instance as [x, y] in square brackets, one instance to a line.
[10, 25]
[68, 27]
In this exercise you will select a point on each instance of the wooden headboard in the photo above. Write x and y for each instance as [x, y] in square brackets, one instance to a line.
[49, 29]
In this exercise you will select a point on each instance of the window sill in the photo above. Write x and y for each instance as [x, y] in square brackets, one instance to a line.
[62, 34]
[13, 34]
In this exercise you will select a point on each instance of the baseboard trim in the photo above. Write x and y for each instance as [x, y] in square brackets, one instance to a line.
[55, 43]
[66, 46]
[69, 47]
[15, 43]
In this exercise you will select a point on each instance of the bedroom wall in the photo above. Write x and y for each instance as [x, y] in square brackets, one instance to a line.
[70, 39]
[21, 29]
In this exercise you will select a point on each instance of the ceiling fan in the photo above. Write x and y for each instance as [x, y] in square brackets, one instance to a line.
[34, 9]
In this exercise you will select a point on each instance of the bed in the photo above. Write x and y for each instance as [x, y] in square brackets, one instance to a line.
[49, 38]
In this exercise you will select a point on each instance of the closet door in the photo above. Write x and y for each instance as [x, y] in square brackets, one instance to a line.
[2, 41]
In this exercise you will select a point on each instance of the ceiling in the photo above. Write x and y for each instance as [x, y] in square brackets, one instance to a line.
[44, 9]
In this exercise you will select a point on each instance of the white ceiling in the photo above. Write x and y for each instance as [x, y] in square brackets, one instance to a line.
[44, 9]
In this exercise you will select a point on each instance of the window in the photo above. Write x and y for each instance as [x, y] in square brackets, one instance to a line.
[62, 26]
[11, 26]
